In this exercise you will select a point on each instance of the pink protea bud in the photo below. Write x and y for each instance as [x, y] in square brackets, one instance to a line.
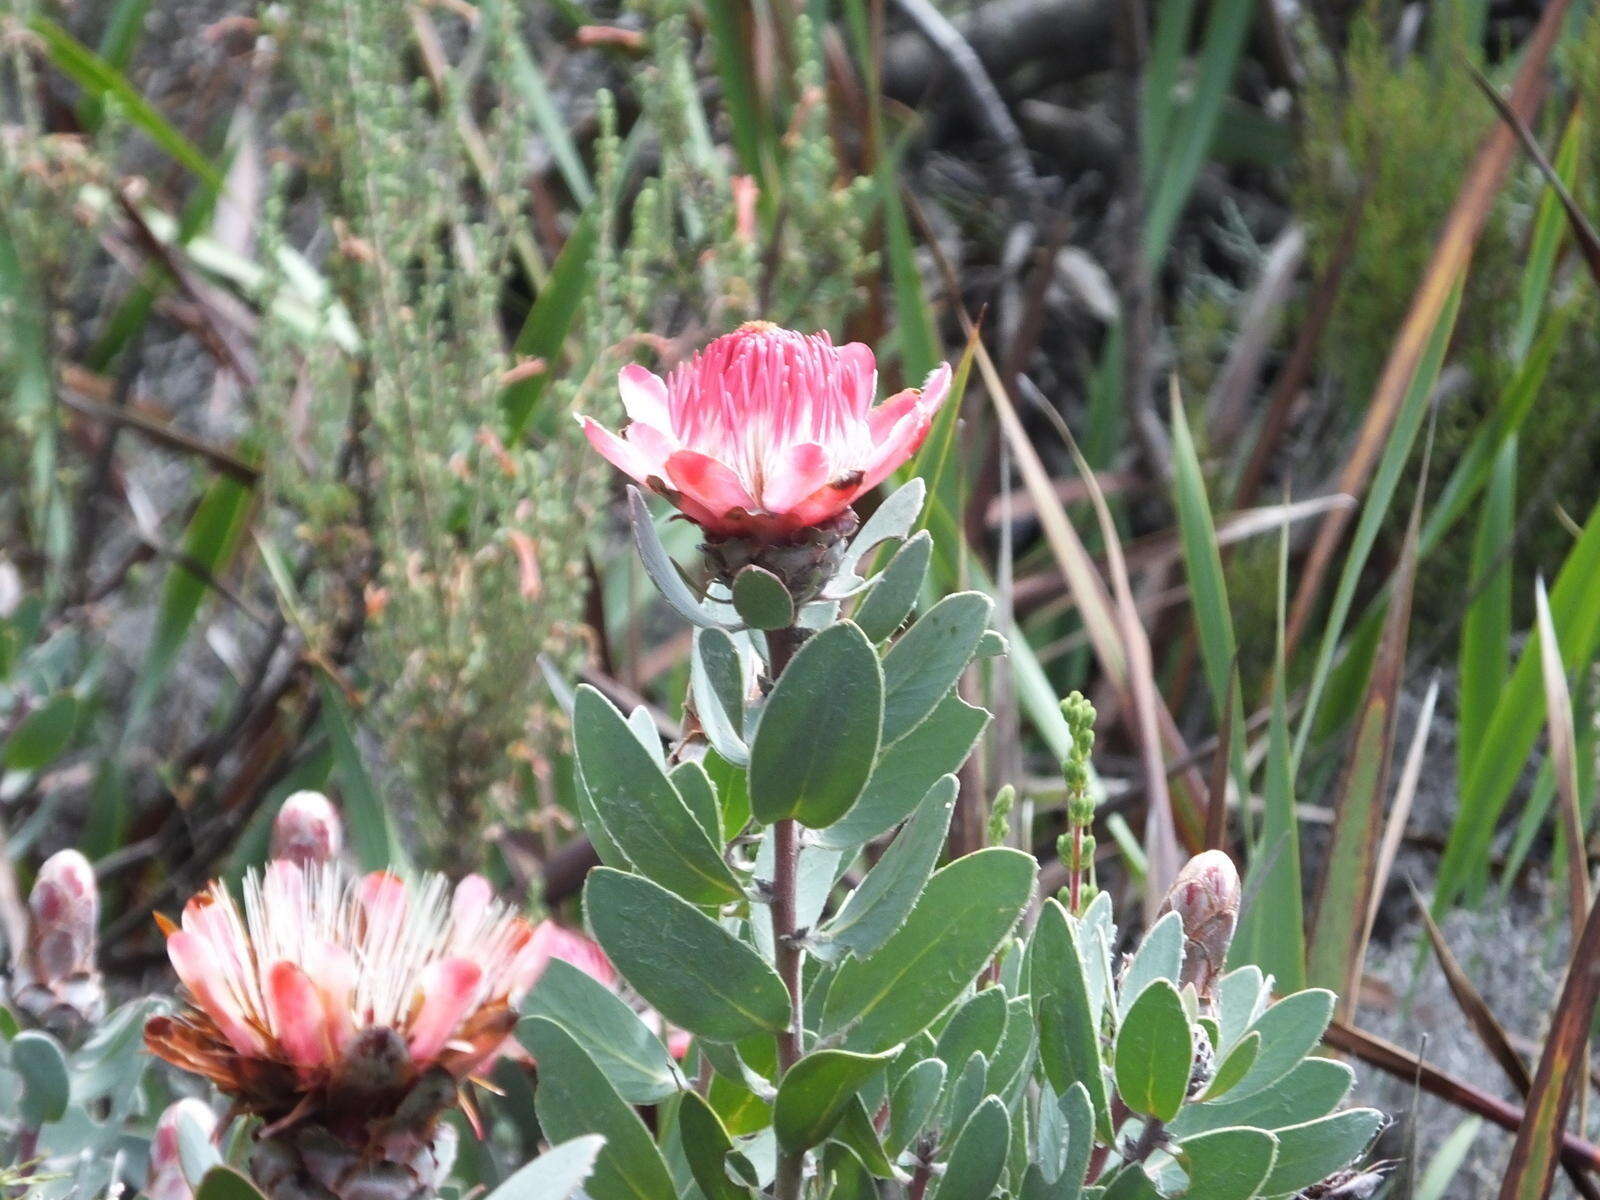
[167, 1181]
[767, 432]
[55, 983]
[307, 830]
[1205, 896]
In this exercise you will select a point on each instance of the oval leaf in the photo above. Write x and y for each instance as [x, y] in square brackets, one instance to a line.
[574, 1099]
[815, 1092]
[610, 1032]
[795, 773]
[1227, 1164]
[640, 809]
[962, 918]
[38, 1059]
[761, 599]
[557, 1174]
[928, 659]
[697, 974]
[979, 1154]
[1155, 1053]
[889, 602]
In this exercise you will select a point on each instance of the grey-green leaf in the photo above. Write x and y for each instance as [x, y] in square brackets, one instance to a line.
[1069, 1033]
[881, 903]
[912, 1102]
[922, 667]
[716, 680]
[1289, 1030]
[610, 1032]
[660, 567]
[1311, 1152]
[907, 769]
[38, 1059]
[815, 1092]
[834, 678]
[574, 1098]
[978, 1155]
[1160, 956]
[889, 602]
[706, 1146]
[1155, 1053]
[640, 809]
[1227, 1164]
[696, 974]
[557, 1174]
[962, 918]
[761, 600]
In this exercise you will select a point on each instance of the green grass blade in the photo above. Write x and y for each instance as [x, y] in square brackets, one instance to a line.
[1549, 227]
[549, 321]
[754, 139]
[1375, 511]
[373, 838]
[1190, 140]
[1272, 922]
[99, 78]
[1208, 588]
[1485, 657]
[1518, 716]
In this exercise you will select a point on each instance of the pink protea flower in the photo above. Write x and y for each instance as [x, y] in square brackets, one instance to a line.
[167, 1181]
[332, 997]
[767, 432]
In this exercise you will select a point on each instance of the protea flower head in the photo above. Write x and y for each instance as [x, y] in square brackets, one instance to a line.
[55, 982]
[167, 1181]
[340, 1000]
[767, 433]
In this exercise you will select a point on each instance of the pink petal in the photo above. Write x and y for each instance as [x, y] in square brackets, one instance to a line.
[651, 442]
[827, 501]
[299, 1022]
[800, 470]
[710, 483]
[448, 988]
[887, 415]
[383, 897]
[644, 396]
[620, 454]
[861, 376]
[899, 444]
[472, 895]
[196, 964]
[336, 980]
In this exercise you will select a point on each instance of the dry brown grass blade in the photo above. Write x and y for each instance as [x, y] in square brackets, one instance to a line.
[1401, 1063]
[1563, 758]
[1583, 231]
[1160, 829]
[1350, 880]
[1404, 794]
[1472, 1004]
[1562, 1072]
[1451, 255]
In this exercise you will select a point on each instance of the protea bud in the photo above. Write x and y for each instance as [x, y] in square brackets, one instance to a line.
[1205, 896]
[307, 830]
[167, 1180]
[55, 983]
[767, 433]
[357, 1006]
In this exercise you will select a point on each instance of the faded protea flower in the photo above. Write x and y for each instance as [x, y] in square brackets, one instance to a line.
[167, 1181]
[767, 433]
[347, 1013]
[1205, 896]
[54, 981]
[307, 830]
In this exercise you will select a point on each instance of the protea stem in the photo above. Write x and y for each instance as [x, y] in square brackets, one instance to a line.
[786, 948]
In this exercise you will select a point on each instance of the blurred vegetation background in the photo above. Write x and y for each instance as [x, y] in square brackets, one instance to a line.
[1281, 420]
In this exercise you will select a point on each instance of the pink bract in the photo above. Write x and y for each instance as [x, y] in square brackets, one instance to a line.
[767, 431]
